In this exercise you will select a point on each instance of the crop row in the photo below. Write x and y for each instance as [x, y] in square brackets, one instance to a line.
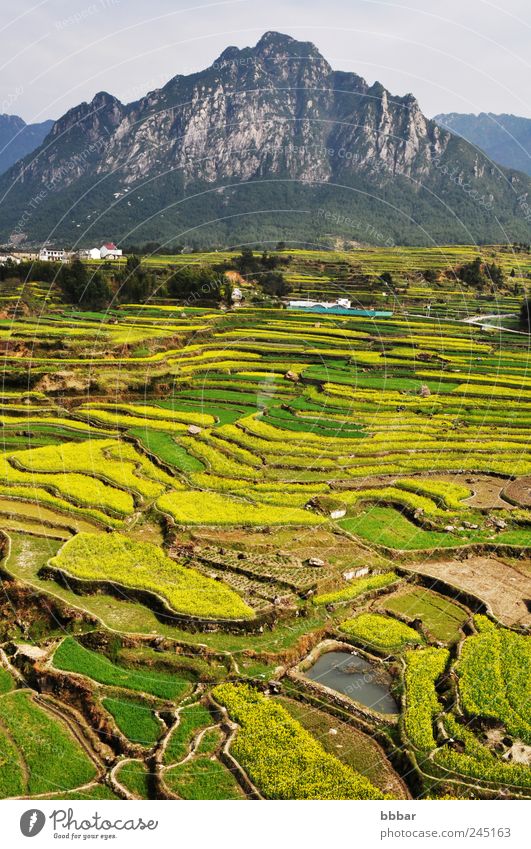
[195, 507]
[381, 632]
[357, 587]
[494, 671]
[281, 758]
[423, 667]
[71, 656]
[144, 566]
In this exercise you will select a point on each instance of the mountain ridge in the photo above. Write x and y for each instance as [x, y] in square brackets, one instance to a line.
[271, 127]
[504, 137]
[17, 138]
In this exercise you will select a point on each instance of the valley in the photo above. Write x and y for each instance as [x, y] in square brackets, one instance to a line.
[202, 502]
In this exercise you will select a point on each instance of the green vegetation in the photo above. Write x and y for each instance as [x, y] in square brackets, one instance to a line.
[494, 671]
[203, 778]
[12, 779]
[92, 792]
[357, 750]
[134, 776]
[422, 705]
[53, 758]
[73, 657]
[209, 508]
[238, 468]
[135, 720]
[6, 681]
[357, 587]
[440, 616]
[386, 526]
[191, 720]
[477, 761]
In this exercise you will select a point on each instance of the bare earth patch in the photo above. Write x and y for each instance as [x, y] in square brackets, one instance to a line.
[519, 491]
[501, 586]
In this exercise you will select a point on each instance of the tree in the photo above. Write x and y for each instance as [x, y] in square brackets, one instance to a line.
[73, 280]
[98, 293]
[194, 282]
[471, 272]
[133, 263]
[226, 291]
[495, 273]
[525, 315]
[89, 291]
[136, 284]
[274, 283]
[247, 263]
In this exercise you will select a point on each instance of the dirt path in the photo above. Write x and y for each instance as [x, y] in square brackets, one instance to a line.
[501, 586]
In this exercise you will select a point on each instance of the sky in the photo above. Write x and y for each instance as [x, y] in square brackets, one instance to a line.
[456, 56]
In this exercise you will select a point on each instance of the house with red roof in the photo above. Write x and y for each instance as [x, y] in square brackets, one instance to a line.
[109, 251]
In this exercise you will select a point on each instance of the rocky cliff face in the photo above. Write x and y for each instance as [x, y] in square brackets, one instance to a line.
[275, 113]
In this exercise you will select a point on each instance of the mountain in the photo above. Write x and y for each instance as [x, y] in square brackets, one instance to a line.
[504, 138]
[267, 143]
[17, 138]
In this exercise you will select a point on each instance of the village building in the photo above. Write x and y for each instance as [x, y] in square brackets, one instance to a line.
[110, 251]
[52, 255]
[4, 258]
[89, 253]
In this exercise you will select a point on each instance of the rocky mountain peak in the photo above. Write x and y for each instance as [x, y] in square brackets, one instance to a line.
[273, 115]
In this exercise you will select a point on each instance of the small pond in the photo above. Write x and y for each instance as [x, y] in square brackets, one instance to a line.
[356, 678]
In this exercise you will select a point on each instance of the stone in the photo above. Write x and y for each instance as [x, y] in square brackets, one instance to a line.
[339, 513]
[194, 430]
[499, 523]
[315, 561]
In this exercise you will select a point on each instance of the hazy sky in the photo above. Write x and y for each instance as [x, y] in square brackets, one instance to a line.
[460, 55]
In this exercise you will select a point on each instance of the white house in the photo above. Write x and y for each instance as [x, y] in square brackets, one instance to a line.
[52, 255]
[344, 303]
[89, 253]
[9, 258]
[109, 251]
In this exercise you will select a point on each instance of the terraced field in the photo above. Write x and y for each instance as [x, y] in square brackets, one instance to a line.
[193, 499]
